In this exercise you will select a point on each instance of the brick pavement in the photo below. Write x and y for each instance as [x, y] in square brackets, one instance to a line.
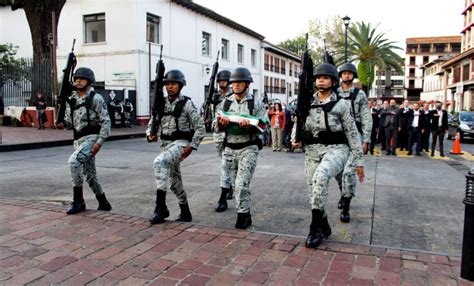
[41, 245]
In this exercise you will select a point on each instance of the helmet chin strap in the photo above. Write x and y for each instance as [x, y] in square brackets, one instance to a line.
[348, 81]
[325, 89]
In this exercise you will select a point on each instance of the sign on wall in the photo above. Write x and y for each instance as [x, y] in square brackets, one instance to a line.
[123, 75]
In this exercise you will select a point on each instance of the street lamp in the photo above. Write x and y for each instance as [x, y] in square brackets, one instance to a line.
[346, 20]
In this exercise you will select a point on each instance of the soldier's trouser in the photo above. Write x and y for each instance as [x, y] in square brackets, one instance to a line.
[346, 179]
[319, 170]
[82, 162]
[225, 179]
[241, 164]
[167, 170]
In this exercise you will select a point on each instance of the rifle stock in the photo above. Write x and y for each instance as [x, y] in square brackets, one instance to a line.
[305, 93]
[158, 107]
[212, 90]
[66, 85]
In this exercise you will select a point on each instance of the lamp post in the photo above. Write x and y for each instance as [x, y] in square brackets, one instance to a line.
[345, 20]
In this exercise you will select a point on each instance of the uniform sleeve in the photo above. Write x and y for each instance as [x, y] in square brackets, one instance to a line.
[197, 123]
[214, 125]
[67, 117]
[366, 117]
[104, 119]
[352, 134]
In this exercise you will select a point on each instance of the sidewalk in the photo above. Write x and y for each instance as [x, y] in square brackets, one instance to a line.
[24, 138]
[41, 245]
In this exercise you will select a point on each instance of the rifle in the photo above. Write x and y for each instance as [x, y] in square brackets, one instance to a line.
[305, 93]
[67, 85]
[327, 57]
[211, 91]
[158, 107]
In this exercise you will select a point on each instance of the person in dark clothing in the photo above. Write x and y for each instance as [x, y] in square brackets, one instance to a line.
[40, 104]
[391, 125]
[403, 117]
[374, 111]
[425, 136]
[381, 136]
[439, 126]
[416, 125]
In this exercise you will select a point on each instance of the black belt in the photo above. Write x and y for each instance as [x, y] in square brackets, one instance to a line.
[237, 146]
[327, 138]
[178, 135]
[88, 130]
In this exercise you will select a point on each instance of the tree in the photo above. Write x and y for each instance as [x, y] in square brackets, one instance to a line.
[11, 69]
[326, 33]
[39, 16]
[370, 48]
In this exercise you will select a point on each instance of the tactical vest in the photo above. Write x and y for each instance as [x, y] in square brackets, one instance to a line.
[176, 113]
[352, 97]
[326, 137]
[89, 129]
[236, 146]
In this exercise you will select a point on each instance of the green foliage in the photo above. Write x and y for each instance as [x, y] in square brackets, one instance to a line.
[295, 45]
[10, 67]
[365, 72]
[325, 34]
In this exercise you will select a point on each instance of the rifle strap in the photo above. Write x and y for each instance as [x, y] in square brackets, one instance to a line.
[87, 104]
[178, 110]
[352, 97]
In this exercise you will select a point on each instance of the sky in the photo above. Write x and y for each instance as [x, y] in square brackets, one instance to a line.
[279, 20]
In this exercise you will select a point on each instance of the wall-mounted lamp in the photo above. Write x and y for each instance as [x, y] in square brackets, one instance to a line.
[208, 69]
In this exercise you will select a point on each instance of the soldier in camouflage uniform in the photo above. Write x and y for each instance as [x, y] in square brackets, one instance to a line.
[87, 114]
[225, 91]
[330, 134]
[182, 130]
[360, 109]
[242, 142]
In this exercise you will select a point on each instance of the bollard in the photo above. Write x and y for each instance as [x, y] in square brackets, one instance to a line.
[467, 261]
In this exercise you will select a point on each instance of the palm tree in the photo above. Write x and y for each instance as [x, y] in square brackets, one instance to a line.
[370, 48]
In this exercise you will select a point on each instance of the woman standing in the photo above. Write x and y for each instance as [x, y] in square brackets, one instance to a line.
[330, 133]
[277, 124]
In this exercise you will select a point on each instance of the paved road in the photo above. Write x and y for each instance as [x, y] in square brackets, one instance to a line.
[413, 203]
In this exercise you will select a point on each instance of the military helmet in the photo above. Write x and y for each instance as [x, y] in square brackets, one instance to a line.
[223, 75]
[241, 74]
[348, 67]
[175, 76]
[327, 69]
[86, 73]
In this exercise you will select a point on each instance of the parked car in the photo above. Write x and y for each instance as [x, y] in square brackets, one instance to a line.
[462, 122]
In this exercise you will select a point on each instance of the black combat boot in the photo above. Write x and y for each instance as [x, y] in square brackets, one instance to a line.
[222, 203]
[315, 235]
[339, 204]
[325, 228]
[185, 214]
[244, 220]
[345, 216]
[103, 203]
[161, 211]
[78, 205]
[230, 193]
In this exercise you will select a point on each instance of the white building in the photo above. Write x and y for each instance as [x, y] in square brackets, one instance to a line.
[123, 48]
[388, 84]
[280, 73]
[434, 85]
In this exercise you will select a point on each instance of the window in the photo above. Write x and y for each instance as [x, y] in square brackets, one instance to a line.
[412, 61]
[240, 53]
[152, 28]
[206, 44]
[283, 67]
[253, 57]
[225, 49]
[267, 63]
[94, 27]
[425, 59]
[411, 72]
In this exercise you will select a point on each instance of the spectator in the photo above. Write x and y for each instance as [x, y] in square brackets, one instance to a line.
[416, 125]
[374, 111]
[425, 136]
[403, 114]
[277, 124]
[439, 124]
[40, 103]
[391, 125]
[382, 140]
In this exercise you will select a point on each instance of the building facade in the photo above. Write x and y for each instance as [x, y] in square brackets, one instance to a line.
[280, 72]
[434, 85]
[459, 70]
[388, 84]
[123, 52]
[420, 51]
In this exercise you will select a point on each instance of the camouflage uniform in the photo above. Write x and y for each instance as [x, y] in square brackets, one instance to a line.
[167, 164]
[219, 137]
[347, 178]
[241, 162]
[325, 161]
[82, 162]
